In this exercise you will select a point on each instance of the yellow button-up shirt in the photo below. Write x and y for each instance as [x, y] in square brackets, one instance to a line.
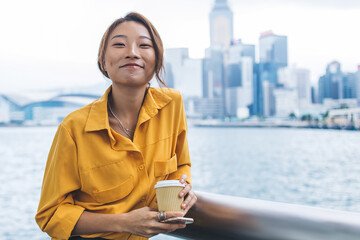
[91, 167]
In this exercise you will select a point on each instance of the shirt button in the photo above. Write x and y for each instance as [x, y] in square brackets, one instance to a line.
[141, 167]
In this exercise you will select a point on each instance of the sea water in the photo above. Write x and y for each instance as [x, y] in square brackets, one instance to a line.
[302, 166]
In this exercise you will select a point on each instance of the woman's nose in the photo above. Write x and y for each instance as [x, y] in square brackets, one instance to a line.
[133, 51]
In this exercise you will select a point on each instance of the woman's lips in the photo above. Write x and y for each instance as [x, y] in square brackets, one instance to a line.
[131, 65]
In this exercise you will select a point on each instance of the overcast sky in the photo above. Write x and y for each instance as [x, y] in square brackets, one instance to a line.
[49, 44]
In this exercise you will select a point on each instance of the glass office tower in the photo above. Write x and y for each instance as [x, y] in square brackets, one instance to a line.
[273, 55]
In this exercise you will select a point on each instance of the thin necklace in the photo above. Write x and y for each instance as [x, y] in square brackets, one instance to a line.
[127, 131]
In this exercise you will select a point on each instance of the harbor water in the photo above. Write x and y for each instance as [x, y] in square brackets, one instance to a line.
[302, 166]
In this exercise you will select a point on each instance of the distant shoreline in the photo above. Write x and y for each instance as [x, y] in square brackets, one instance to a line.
[301, 125]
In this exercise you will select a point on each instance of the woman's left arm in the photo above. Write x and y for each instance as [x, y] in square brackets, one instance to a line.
[183, 172]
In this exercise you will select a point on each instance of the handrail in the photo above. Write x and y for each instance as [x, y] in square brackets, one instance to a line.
[225, 217]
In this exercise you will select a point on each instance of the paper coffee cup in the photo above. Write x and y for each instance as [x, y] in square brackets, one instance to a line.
[167, 194]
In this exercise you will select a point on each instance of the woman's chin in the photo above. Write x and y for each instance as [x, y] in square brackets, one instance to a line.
[131, 83]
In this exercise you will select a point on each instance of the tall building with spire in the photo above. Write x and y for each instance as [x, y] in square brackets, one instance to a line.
[221, 24]
[221, 35]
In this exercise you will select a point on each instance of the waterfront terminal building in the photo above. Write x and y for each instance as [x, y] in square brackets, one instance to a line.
[40, 109]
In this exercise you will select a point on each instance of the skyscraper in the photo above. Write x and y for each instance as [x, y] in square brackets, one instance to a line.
[269, 99]
[221, 35]
[239, 79]
[169, 75]
[213, 79]
[330, 84]
[221, 24]
[174, 61]
[357, 74]
[185, 73]
[214, 73]
[236, 53]
[273, 48]
[298, 79]
[258, 100]
[349, 85]
[273, 55]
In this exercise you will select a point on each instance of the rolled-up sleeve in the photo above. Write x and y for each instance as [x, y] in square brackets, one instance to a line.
[57, 215]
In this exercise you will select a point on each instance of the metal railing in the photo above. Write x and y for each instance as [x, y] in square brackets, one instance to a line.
[224, 217]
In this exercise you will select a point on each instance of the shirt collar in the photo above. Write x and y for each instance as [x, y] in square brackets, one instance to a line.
[155, 100]
[98, 117]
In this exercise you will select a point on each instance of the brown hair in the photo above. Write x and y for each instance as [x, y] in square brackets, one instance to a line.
[157, 43]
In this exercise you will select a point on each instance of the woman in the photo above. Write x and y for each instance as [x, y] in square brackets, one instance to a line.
[106, 157]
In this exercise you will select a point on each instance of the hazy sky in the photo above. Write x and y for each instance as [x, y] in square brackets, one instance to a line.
[50, 44]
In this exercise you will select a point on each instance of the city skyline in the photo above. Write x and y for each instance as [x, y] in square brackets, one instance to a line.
[44, 49]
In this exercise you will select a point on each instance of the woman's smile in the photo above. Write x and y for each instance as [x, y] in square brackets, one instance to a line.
[132, 65]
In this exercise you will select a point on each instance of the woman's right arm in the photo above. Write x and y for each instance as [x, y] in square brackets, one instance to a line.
[57, 214]
[141, 222]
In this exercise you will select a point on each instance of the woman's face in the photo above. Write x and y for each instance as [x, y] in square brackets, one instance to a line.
[130, 55]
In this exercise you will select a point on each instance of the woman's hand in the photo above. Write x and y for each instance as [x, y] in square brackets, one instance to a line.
[144, 222]
[190, 197]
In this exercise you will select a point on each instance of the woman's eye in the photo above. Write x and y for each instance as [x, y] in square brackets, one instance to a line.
[145, 45]
[119, 44]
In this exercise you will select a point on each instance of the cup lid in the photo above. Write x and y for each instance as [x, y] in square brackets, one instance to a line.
[169, 183]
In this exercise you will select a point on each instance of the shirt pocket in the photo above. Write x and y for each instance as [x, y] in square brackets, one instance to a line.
[162, 168]
[108, 183]
[115, 193]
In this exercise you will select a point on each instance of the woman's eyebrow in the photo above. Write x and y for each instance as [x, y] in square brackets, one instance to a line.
[124, 36]
[118, 36]
[145, 37]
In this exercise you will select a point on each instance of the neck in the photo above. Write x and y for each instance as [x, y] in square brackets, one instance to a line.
[126, 103]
